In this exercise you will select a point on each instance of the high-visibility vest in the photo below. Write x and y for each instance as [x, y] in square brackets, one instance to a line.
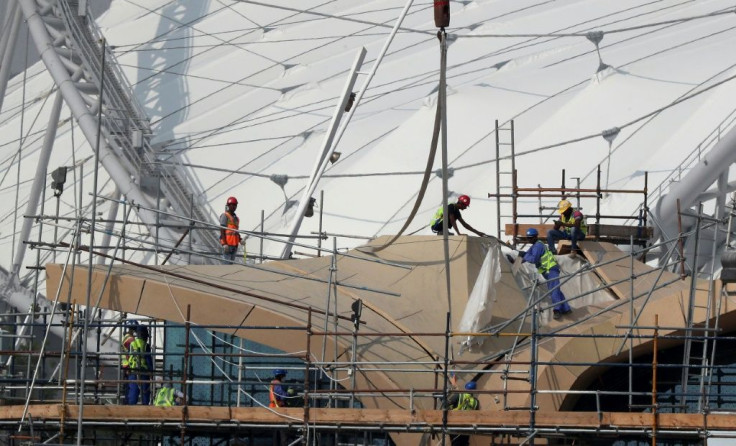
[125, 348]
[272, 401]
[164, 397]
[571, 220]
[439, 214]
[232, 236]
[548, 260]
[137, 361]
[466, 402]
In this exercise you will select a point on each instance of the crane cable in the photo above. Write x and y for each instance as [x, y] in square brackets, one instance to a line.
[425, 180]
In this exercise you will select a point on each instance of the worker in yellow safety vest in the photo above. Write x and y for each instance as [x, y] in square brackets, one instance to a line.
[571, 226]
[453, 217]
[546, 264]
[167, 396]
[140, 364]
[463, 401]
[130, 326]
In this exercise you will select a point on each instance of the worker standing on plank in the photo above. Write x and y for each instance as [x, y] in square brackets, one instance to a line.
[463, 401]
[453, 216]
[229, 235]
[141, 366]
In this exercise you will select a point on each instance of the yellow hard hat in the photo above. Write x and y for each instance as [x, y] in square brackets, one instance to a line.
[563, 206]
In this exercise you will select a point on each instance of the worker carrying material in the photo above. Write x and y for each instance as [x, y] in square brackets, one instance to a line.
[546, 264]
[453, 216]
[229, 235]
[571, 226]
[463, 401]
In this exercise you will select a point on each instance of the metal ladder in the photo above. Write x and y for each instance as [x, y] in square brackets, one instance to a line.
[505, 173]
[697, 368]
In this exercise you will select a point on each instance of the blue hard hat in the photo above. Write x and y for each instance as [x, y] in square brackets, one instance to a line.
[532, 232]
[130, 323]
[470, 385]
[279, 372]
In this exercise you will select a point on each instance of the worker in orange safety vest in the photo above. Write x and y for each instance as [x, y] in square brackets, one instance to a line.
[229, 235]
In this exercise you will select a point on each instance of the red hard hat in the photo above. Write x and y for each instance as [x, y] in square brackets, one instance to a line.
[464, 199]
[232, 200]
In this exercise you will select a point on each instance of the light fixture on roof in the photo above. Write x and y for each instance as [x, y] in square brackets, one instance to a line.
[334, 157]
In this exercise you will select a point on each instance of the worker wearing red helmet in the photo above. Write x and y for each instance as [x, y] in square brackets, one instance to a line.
[454, 216]
[229, 235]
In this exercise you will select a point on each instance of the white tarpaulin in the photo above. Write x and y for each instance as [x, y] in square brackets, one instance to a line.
[479, 310]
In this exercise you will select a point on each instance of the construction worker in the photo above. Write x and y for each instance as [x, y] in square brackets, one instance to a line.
[140, 364]
[167, 396]
[454, 216]
[546, 264]
[571, 226]
[277, 397]
[277, 391]
[463, 401]
[129, 326]
[229, 235]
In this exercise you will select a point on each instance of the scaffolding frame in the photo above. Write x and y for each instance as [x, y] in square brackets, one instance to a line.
[93, 392]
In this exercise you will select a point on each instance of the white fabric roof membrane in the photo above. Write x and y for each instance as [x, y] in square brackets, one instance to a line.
[250, 86]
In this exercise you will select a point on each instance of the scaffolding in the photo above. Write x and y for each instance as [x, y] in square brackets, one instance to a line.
[47, 396]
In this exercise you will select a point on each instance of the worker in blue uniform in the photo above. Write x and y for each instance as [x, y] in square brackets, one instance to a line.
[140, 363]
[546, 263]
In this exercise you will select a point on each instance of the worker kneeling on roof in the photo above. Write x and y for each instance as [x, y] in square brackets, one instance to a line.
[453, 216]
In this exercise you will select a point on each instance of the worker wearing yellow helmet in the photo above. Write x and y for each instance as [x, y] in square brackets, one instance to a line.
[571, 226]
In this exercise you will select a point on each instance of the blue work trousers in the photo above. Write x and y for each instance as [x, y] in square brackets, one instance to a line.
[139, 385]
[553, 235]
[553, 283]
[228, 254]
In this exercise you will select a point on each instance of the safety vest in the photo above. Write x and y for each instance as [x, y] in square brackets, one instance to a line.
[137, 361]
[571, 221]
[164, 397]
[466, 402]
[272, 401]
[232, 236]
[548, 260]
[125, 348]
[438, 215]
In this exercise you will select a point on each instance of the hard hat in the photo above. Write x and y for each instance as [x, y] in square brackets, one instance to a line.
[563, 206]
[232, 200]
[532, 232]
[470, 385]
[279, 372]
[130, 323]
[142, 331]
[464, 199]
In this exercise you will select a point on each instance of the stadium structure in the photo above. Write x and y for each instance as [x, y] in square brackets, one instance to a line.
[341, 126]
